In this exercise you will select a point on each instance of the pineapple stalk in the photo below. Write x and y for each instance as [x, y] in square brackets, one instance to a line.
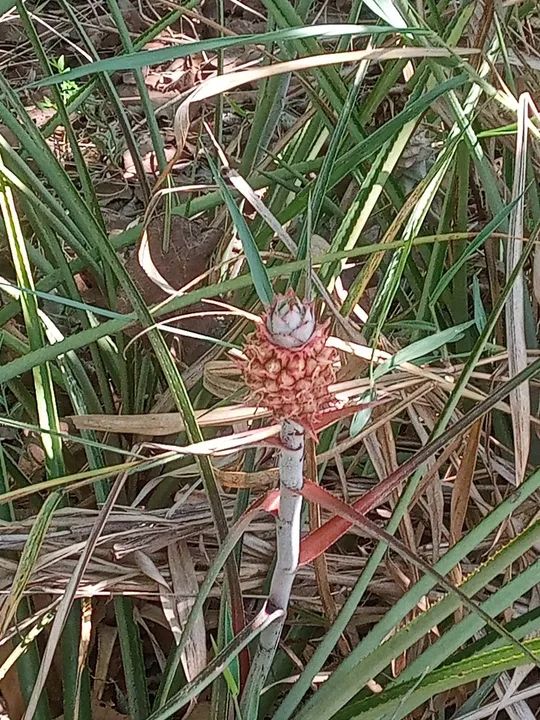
[288, 369]
[291, 466]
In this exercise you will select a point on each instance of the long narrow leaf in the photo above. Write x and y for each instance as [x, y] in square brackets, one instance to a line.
[406, 697]
[261, 280]
[156, 57]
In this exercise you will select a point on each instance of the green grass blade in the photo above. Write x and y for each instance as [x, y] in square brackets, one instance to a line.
[132, 659]
[257, 268]
[28, 667]
[217, 666]
[344, 681]
[457, 266]
[14, 368]
[454, 637]
[157, 57]
[29, 558]
[405, 698]
[422, 348]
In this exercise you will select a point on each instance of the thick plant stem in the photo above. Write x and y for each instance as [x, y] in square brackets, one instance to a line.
[291, 475]
[288, 550]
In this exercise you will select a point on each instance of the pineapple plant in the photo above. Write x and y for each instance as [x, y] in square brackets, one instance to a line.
[288, 369]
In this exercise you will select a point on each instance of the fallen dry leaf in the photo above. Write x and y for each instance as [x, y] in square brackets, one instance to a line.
[10, 692]
[260, 480]
[461, 489]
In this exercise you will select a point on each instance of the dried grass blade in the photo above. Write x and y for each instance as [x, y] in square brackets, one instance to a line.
[320, 563]
[507, 686]
[315, 493]
[148, 567]
[224, 445]
[461, 492]
[156, 424]
[84, 646]
[515, 309]
[106, 640]
[223, 83]
[149, 267]
[259, 480]
[461, 489]
[335, 528]
[247, 192]
[186, 587]
[423, 419]
[218, 665]
[25, 641]
[268, 503]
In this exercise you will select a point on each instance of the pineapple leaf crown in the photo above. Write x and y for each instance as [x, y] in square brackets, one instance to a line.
[290, 322]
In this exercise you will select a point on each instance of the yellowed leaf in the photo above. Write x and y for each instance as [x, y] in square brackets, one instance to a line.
[520, 402]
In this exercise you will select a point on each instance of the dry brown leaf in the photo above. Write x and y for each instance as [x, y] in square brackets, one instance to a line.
[461, 492]
[435, 503]
[223, 83]
[507, 686]
[10, 691]
[226, 445]
[148, 567]
[69, 594]
[423, 417]
[254, 481]
[381, 449]
[221, 378]
[192, 243]
[218, 374]
[461, 489]
[149, 162]
[159, 424]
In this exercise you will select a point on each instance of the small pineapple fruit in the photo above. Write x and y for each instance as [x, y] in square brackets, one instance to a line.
[287, 366]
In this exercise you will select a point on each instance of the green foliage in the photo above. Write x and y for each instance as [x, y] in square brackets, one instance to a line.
[398, 179]
[69, 89]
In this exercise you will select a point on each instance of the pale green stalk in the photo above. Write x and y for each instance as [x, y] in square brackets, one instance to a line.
[291, 466]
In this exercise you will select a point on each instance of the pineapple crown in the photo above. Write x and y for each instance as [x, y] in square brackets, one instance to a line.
[290, 322]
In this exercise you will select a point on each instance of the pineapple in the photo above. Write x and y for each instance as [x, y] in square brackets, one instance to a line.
[287, 366]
